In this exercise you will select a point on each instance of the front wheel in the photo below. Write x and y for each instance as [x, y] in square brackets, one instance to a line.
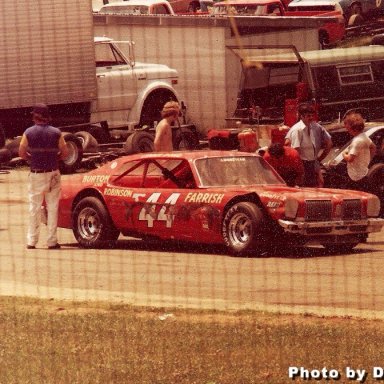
[242, 227]
[92, 224]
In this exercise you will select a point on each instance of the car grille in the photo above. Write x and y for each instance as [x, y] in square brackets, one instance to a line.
[351, 209]
[321, 210]
[318, 210]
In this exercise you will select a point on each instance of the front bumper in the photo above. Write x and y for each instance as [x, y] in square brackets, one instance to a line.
[340, 227]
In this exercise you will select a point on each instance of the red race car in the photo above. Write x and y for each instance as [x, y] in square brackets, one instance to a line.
[213, 197]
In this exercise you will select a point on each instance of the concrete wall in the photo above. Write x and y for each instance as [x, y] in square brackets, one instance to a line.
[196, 47]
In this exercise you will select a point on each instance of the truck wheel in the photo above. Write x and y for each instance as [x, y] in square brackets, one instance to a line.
[139, 142]
[194, 6]
[92, 224]
[376, 183]
[152, 107]
[185, 139]
[75, 156]
[88, 142]
[241, 228]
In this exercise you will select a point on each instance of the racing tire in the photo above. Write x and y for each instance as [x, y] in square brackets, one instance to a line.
[185, 139]
[323, 38]
[92, 225]
[355, 20]
[340, 248]
[139, 142]
[101, 134]
[241, 228]
[5, 155]
[13, 146]
[75, 156]
[88, 142]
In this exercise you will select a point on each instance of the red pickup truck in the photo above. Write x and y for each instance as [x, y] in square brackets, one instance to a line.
[329, 32]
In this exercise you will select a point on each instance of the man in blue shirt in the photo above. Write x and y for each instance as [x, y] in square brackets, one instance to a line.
[43, 146]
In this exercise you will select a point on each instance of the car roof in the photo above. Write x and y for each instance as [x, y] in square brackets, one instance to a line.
[129, 3]
[187, 155]
[298, 3]
[246, 2]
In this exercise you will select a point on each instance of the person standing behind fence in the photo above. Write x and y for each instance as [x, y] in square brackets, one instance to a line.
[42, 146]
[359, 153]
[309, 138]
[163, 136]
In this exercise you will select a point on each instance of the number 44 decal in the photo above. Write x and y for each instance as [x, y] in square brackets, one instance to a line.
[148, 212]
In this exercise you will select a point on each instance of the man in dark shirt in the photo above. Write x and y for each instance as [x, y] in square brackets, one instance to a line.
[43, 146]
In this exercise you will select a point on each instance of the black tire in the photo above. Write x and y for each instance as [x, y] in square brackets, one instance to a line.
[13, 146]
[73, 161]
[185, 139]
[139, 142]
[92, 224]
[340, 248]
[241, 228]
[5, 155]
[2, 136]
[355, 20]
[152, 107]
[193, 7]
[88, 142]
[101, 134]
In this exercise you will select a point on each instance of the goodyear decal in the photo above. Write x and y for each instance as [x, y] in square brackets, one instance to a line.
[117, 192]
[95, 179]
[208, 198]
[272, 196]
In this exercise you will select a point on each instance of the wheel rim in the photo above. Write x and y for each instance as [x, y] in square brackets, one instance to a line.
[240, 230]
[72, 153]
[89, 224]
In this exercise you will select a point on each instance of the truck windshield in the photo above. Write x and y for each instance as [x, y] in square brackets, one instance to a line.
[235, 171]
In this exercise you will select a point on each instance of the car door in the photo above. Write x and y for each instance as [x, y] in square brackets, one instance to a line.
[116, 85]
[144, 199]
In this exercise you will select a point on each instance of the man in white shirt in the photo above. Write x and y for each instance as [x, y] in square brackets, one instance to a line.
[312, 142]
[359, 153]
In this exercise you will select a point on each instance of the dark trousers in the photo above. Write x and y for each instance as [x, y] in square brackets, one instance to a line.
[310, 174]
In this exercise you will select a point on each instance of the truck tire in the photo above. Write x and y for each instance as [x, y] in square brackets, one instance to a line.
[88, 142]
[2, 136]
[151, 111]
[139, 142]
[73, 161]
[376, 184]
[185, 139]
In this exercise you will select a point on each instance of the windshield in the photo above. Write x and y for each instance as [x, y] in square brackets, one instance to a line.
[235, 170]
[127, 9]
[253, 10]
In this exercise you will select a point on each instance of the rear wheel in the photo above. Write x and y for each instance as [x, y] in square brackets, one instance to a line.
[185, 139]
[75, 155]
[242, 227]
[92, 224]
[88, 142]
[355, 16]
[139, 142]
